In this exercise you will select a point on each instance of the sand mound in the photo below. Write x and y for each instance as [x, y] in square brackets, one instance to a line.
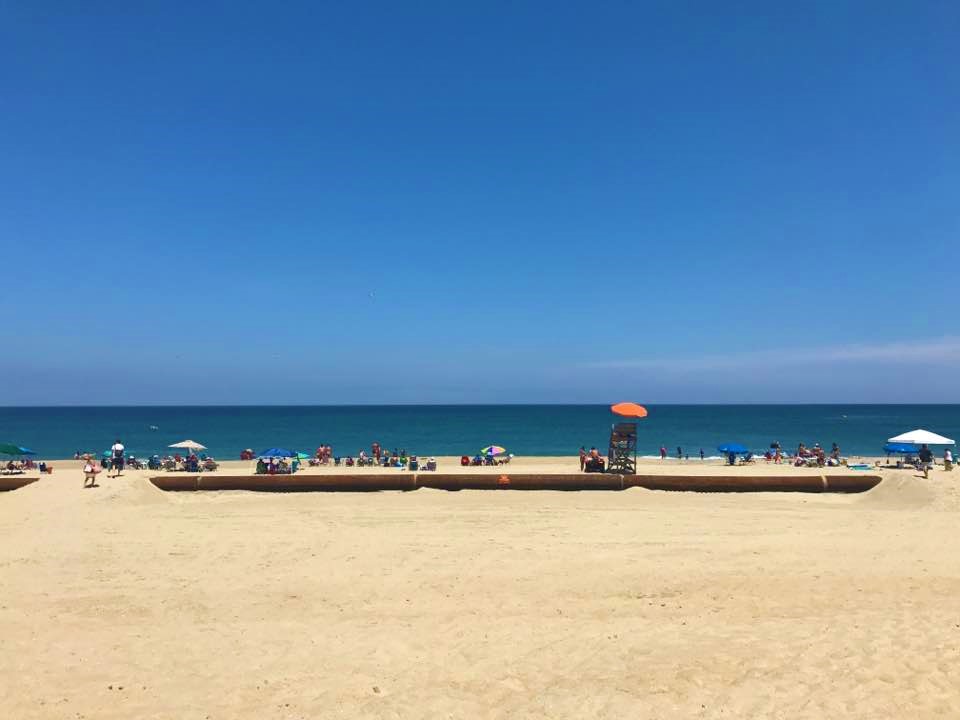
[134, 491]
[900, 491]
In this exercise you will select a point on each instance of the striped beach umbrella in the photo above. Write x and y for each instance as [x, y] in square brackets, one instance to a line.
[493, 450]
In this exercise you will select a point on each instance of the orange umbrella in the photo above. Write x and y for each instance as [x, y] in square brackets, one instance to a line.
[629, 409]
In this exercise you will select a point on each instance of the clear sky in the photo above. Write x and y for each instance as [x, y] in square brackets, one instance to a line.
[479, 202]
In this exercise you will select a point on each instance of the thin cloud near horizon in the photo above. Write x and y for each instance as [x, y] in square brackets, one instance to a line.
[932, 351]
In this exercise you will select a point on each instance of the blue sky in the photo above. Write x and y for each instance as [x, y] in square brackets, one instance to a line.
[480, 202]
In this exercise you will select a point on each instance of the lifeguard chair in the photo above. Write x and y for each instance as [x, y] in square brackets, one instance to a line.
[622, 455]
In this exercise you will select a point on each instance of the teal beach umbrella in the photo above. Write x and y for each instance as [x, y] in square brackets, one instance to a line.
[11, 449]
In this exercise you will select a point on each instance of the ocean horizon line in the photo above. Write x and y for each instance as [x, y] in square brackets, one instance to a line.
[765, 403]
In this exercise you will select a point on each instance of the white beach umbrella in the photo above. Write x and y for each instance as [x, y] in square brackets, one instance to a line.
[188, 445]
[921, 437]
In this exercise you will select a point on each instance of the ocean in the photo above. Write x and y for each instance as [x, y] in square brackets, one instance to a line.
[555, 430]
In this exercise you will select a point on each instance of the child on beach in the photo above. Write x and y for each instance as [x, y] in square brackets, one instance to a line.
[90, 471]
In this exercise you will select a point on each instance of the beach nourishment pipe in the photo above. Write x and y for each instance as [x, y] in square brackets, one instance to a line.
[522, 481]
[15, 482]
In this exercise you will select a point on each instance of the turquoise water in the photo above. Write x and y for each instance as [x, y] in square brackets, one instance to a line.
[457, 430]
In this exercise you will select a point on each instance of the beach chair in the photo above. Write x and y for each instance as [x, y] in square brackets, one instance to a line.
[622, 453]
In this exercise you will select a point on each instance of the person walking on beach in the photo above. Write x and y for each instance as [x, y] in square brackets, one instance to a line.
[117, 453]
[926, 460]
[701, 453]
[583, 458]
[375, 449]
[90, 471]
[679, 453]
[663, 452]
[947, 460]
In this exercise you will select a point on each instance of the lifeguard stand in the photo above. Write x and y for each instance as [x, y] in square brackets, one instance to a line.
[622, 455]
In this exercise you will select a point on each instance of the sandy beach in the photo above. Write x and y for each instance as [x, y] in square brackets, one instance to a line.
[124, 601]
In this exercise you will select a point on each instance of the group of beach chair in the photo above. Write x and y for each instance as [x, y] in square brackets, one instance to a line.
[19, 468]
[189, 464]
[277, 467]
[391, 461]
[479, 460]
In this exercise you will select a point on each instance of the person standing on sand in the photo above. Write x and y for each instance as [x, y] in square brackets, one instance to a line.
[679, 453]
[663, 452]
[117, 451]
[701, 453]
[926, 460]
[583, 457]
[947, 460]
[375, 449]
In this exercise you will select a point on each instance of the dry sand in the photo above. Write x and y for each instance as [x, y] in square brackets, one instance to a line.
[126, 602]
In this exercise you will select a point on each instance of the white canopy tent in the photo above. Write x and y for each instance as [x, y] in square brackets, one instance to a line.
[921, 437]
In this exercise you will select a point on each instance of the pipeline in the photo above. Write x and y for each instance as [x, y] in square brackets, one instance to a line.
[15, 482]
[362, 482]
[755, 483]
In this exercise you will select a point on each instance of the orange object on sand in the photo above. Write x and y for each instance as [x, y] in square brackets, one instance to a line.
[629, 409]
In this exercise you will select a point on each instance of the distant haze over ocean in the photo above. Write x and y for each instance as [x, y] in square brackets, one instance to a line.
[57, 432]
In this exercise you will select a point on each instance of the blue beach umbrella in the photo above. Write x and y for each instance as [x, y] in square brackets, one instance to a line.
[277, 452]
[735, 448]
